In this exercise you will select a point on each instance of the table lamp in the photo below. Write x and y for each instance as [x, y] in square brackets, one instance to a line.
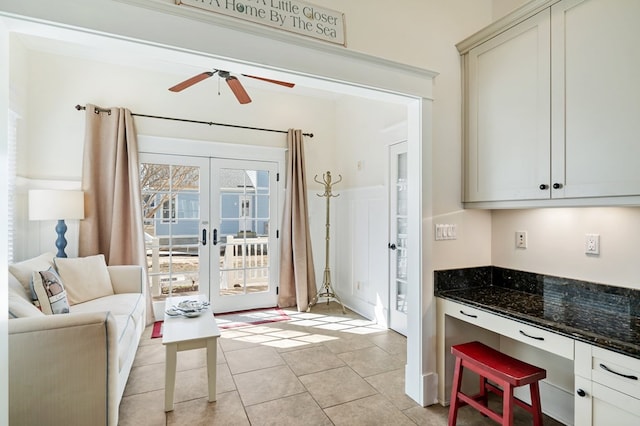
[55, 204]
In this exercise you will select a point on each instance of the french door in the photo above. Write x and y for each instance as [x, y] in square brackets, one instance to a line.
[210, 227]
[398, 237]
[243, 228]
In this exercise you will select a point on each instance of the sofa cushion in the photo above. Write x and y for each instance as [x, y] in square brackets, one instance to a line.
[19, 306]
[17, 287]
[48, 292]
[127, 309]
[85, 278]
[23, 270]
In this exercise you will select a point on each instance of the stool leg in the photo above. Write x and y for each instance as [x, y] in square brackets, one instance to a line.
[507, 405]
[535, 404]
[482, 396]
[455, 388]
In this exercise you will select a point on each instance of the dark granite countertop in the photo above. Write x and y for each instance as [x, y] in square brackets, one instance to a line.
[600, 315]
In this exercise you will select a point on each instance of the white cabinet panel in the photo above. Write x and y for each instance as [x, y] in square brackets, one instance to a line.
[595, 95]
[607, 387]
[553, 102]
[509, 114]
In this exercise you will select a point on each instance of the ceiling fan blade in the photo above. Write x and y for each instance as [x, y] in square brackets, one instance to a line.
[238, 90]
[191, 81]
[281, 83]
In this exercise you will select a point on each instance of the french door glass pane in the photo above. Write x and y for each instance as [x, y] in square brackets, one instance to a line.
[171, 208]
[244, 231]
[401, 234]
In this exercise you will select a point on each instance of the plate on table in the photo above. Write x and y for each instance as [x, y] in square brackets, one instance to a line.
[192, 306]
[173, 312]
[192, 314]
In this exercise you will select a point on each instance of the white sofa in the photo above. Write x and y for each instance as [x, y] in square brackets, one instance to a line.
[72, 368]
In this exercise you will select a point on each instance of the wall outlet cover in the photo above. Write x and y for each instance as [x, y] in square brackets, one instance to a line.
[592, 244]
[521, 239]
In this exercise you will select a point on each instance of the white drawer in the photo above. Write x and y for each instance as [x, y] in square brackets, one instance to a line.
[608, 368]
[542, 339]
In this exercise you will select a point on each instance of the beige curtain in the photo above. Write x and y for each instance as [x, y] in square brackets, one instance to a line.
[297, 275]
[111, 181]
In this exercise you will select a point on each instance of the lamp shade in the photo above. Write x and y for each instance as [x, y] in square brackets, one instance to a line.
[55, 204]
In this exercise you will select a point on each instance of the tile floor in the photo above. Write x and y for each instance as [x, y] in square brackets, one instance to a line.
[319, 368]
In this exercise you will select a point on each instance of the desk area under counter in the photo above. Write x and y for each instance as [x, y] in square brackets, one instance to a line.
[586, 335]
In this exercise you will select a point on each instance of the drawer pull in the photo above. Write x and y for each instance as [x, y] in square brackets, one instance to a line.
[626, 376]
[468, 315]
[531, 337]
[581, 393]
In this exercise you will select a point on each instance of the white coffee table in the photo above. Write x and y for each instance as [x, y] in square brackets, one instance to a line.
[183, 334]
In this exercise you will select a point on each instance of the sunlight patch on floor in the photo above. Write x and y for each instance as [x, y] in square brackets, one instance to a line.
[278, 337]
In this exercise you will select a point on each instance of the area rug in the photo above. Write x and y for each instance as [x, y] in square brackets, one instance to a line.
[238, 319]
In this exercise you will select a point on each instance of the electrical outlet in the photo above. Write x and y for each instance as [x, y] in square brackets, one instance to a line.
[521, 239]
[592, 244]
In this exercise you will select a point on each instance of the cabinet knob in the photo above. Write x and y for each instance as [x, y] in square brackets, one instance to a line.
[544, 186]
[581, 392]
[557, 185]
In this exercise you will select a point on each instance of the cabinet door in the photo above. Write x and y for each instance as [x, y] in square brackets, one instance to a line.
[596, 404]
[596, 98]
[508, 115]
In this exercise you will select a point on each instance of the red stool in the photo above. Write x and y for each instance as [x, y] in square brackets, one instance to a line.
[505, 371]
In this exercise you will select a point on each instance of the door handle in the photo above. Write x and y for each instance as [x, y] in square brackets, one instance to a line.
[204, 237]
[392, 246]
[215, 237]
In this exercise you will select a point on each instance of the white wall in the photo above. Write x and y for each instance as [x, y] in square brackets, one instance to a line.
[55, 137]
[447, 25]
[503, 7]
[56, 133]
[555, 239]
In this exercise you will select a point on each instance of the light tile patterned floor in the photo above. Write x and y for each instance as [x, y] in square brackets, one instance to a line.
[319, 368]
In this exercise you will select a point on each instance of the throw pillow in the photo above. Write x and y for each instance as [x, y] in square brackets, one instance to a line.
[48, 292]
[23, 270]
[85, 278]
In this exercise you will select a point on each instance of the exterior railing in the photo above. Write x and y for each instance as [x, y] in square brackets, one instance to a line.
[243, 261]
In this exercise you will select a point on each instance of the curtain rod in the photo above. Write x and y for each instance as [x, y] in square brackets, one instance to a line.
[210, 123]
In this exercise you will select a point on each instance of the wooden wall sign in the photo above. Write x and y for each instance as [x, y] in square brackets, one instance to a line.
[289, 15]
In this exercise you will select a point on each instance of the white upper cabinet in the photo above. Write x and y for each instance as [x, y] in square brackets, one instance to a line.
[595, 97]
[508, 114]
[552, 106]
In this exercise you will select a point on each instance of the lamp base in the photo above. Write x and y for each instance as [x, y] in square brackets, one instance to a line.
[61, 242]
